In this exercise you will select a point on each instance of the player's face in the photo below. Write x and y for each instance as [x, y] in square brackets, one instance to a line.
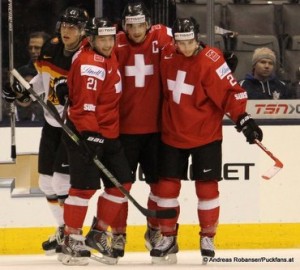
[34, 47]
[137, 32]
[264, 68]
[104, 45]
[187, 47]
[70, 34]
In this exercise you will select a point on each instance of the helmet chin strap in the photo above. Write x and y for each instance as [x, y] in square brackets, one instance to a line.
[74, 48]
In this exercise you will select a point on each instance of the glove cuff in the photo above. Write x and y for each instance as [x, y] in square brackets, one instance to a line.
[91, 136]
[24, 99]
[242, 121]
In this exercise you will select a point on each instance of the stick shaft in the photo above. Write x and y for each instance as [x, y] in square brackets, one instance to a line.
[11, 66]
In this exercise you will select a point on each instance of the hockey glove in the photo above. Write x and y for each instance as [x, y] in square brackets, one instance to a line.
[8, 94]
[61, 89]
[92, 144]
[17, 91]
[250, 129]
[231, 60]
[19, 88]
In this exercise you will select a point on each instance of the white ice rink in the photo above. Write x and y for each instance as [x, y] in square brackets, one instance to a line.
[186, 260]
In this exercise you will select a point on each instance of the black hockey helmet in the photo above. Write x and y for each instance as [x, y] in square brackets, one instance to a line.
[185, 29]
[75, 15]
[99, 27]
[136, 13]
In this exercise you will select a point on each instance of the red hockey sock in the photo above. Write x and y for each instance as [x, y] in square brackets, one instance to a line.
[112, 208]
[76, 206]
[208, 206]
[120, 223]
[152, 205]
[168, 192]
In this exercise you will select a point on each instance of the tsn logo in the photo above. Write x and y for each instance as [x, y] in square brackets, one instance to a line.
[280, 108]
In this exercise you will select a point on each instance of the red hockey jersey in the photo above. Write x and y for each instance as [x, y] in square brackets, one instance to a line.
[140, 105]
[94, 91]
[198, 91]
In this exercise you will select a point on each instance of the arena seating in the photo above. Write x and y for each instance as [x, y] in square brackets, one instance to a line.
[274, 24]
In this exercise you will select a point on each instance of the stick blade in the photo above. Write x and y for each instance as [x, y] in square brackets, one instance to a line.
[166, 213]
[162, 214]
[271, 172]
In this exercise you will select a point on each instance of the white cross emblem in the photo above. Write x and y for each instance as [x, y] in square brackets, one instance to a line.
[118, 85]
[139, 70]
[179, 87]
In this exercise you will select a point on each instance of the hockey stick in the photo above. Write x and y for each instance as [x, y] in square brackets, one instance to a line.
[65, 110]
[167, 213]
[276, 167]
[11, 66]
[278, 164]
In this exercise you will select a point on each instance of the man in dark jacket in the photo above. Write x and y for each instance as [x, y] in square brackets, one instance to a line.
[262, 83]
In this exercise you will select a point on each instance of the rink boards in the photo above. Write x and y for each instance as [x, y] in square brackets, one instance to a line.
[255, 213]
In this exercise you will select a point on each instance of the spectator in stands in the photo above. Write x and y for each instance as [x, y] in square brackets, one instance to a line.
[295, 86]
[35, 43]
[26, 109]
[263, 83]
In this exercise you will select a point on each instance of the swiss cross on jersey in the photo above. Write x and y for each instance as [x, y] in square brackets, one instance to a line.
[179, 87]
[139, 70]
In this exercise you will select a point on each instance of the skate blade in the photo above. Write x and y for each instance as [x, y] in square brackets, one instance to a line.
[168, 259]
[69, 260]
[104, 259]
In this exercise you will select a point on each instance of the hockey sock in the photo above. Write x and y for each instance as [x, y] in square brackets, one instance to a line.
[168, 192]
[120, 223]
[208, 206]
[56, 209]
[76, 206]
[112, 209]
[152, 205]
[46, 185]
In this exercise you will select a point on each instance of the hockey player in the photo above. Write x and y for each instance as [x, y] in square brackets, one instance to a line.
[52, 65]
[94, 92]
[138, 51]
[198, 89]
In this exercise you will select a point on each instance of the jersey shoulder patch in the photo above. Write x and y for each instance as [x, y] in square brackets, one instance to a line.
[213, 55]
[54, 40]
[98, 58]
[156, 27]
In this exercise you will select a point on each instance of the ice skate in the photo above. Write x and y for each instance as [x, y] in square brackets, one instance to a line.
[101, 241]
[74, 250]
[165, 251]
[152, 237]
[118, 244]
[54, 241]
[207, 248]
